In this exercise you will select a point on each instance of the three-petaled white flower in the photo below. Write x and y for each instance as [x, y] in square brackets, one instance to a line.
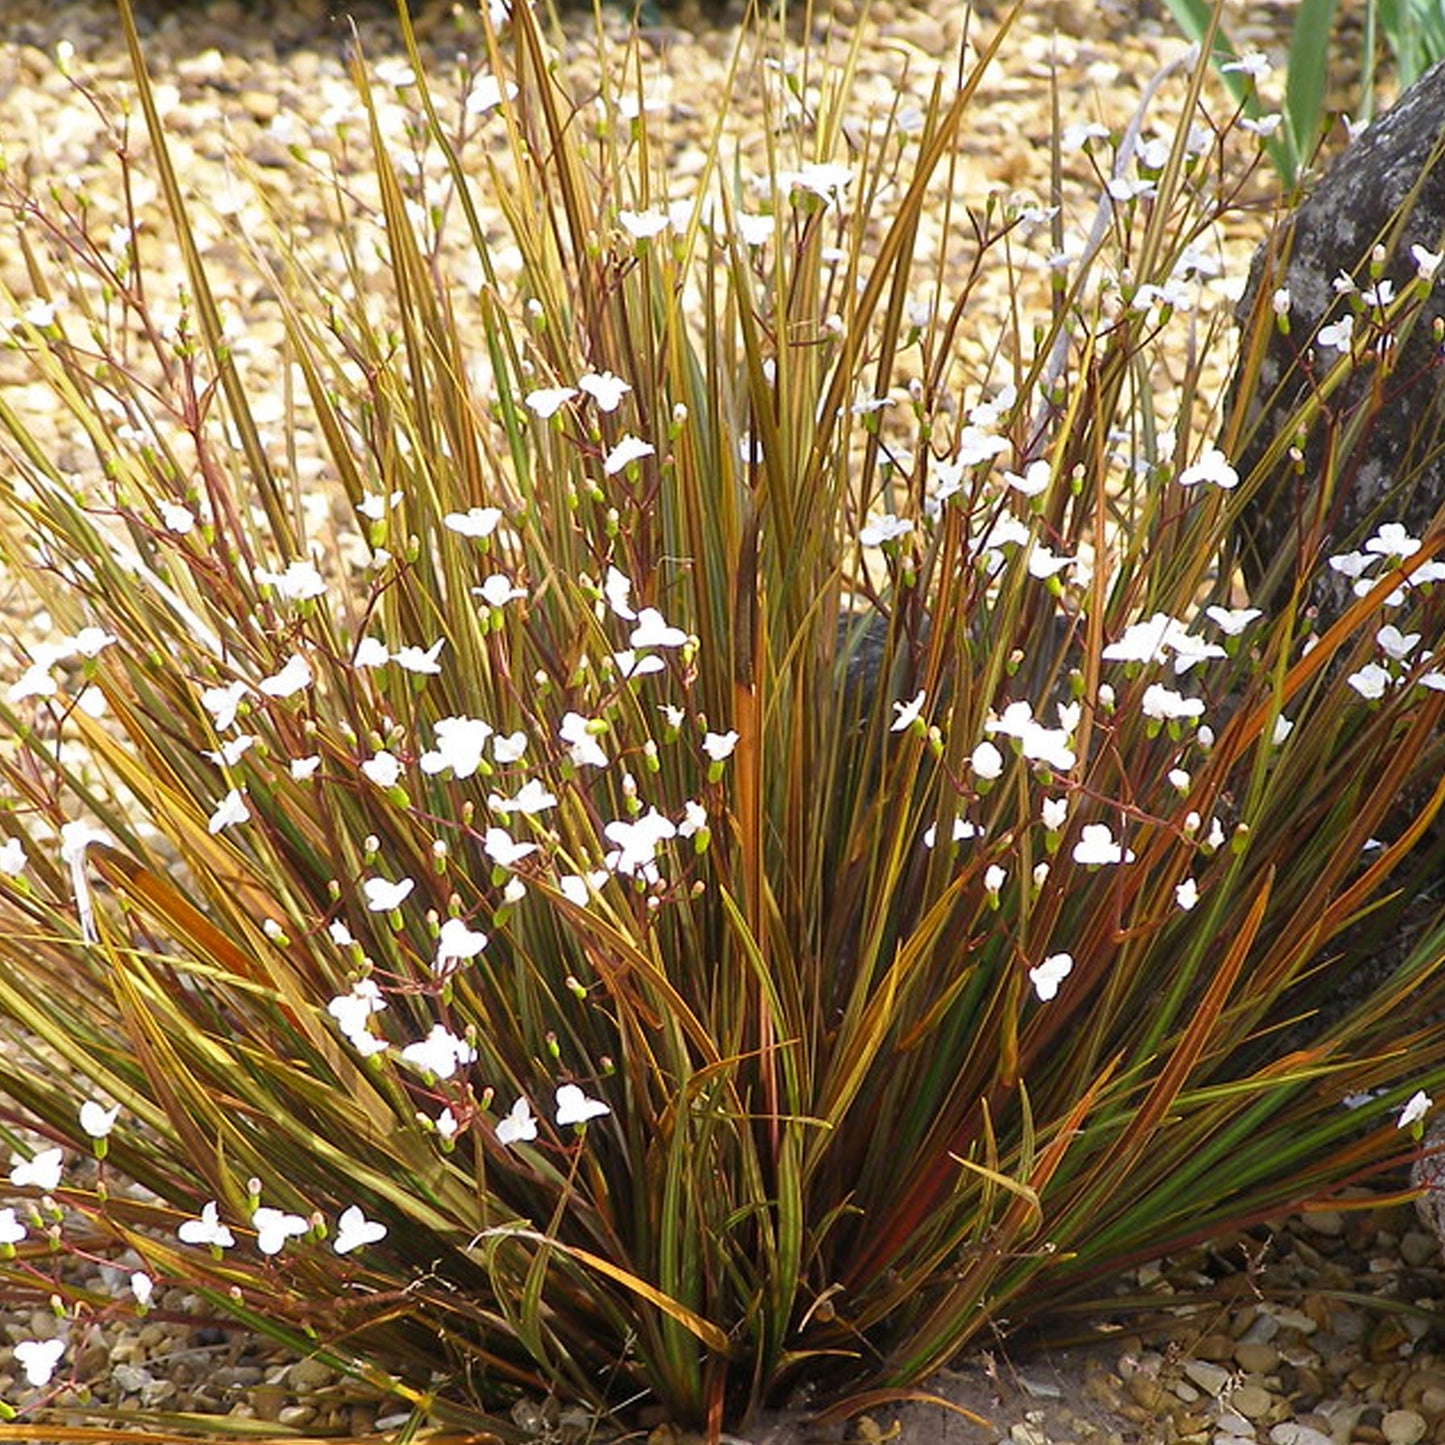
[38, 1358]
[1047, 977]
[518, 1126]
[207, 1229]
[40, 1172]
[274, 1227]
[1417, 1106]
[382, 895]
[354, 1230]
[575, 1107]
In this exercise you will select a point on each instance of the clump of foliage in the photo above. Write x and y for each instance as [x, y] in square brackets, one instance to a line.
[729, 834]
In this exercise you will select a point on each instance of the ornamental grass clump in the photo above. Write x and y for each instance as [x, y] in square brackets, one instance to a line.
[696, 816]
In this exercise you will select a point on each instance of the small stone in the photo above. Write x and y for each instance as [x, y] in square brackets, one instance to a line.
[1214, 1347]
[1418, 1250]
[1291, 1432]
[1329, 1222]
[309, 1374]
[1256, 1358]
[1254, 1402]
[1432, 1400]
[1022, 1434]
[294, 1416]
[1403, 1427]
[1147, 1392]
[1210, 1378]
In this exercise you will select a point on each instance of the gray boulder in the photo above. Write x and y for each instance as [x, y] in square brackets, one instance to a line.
[1378, 433]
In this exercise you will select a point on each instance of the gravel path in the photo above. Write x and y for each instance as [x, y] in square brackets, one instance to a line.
[1322, 1331]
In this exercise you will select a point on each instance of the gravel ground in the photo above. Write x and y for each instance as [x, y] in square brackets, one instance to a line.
[1322, 1330]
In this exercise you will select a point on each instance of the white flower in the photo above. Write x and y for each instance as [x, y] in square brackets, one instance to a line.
[994, 878]
[1280, 302]
[230, 753]
[907, 713]
[370, 652]
[629, 449]
[383, 768]
[302, 768]
[518, 1126]
[1047, 977]
[12, 858]
[420, 660]
[503, 849]
[1166, 705]
[292, 678]
[1080, 133]
[1380, 294]
[1392, 540]
[575, 1107]
[487, 93]
[1371, 681]
[509, 747]
[1034, 480]
[1351, 564]
[38, 1358]
[604, 388]
[459, 744]
[299, 582]
[1186, 894]
[1055, 812]
[352, 1010]
[1044, 563]
[222, 703]
[628, 664]
[977, 442]
[1394, 643]
[175, 518]
[456, 943]
[755, 230]
[546, 401]
[142, 1287]
[643, 225]
[96, 1119]
[987, 761]
[1264, 127]
[498, 590]
[1338, 334]
[207, 1230]
[1427, 263]
[1253, 63]
[637, 843]
[653, 630]
[618, 590]
[478, 522]
[585, 750]
[274, 1227]
[1096, 846]
[440, 1054]
[35, 681]
[382, 895]
[719, 746]
[354, 1230]
[962, 831]
[42, 1172]
[1212, 467]
[1232, 620]
[532, 797]
[886, 528]
[1418, 1105]
[826, 181]
[229, 811]
[11, 1229]
[577, 888]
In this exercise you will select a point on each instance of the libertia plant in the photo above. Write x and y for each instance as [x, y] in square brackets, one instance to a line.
[698, 816]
